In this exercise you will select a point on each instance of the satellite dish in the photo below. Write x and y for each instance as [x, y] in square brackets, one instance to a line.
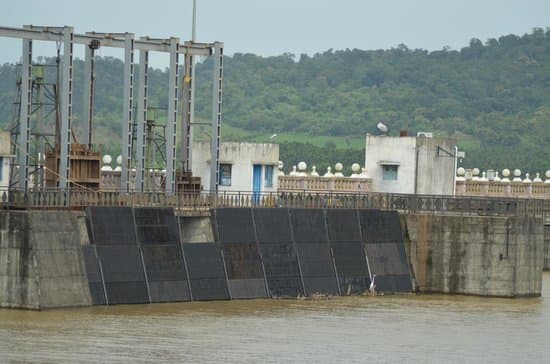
[382, 127]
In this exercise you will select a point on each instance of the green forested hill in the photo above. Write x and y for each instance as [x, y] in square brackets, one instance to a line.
[494, 97]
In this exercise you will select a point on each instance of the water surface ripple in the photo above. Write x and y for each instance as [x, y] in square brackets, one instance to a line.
[387, 329]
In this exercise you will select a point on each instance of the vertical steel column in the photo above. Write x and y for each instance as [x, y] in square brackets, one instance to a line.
[191, 115]
[187, 113]
[25, 115]
[216, 117]
[127, 111]
[87, 104]
[141, 118]
[172, 117]
[66, 109]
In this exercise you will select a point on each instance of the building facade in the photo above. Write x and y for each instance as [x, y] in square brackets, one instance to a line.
[250, 167]
[411, 165]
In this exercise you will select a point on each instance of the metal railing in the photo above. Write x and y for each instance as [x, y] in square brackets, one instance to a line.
[468, 205]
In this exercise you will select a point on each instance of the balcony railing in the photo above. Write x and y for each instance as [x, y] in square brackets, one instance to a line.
[538, 190]
[311, 184]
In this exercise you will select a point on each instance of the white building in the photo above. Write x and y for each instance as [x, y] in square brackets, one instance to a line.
[412, 165]
[243, 166]
[5, 158]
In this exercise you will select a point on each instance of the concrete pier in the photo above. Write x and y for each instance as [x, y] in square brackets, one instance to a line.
[476, 255]
[41, 262]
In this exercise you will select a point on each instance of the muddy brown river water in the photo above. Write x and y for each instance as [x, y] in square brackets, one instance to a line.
[385, 329]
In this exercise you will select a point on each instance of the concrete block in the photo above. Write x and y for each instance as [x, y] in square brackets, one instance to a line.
[52, 221]
[195, 229]
[61, 240]
[59, 263]
[68, 291]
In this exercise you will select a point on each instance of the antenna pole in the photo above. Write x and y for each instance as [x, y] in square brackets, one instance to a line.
[194, 30]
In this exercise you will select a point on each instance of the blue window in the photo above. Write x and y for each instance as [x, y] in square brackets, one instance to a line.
[268, 176]
[225, 175]
[389, 172]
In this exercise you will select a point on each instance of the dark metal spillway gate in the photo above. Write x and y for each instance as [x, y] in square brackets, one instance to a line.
[136, 255]
[235, 231]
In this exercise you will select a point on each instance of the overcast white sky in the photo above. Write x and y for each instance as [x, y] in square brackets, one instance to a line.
[267, 27]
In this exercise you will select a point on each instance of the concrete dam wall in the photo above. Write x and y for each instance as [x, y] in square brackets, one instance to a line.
[41, 262]
[140, 255]
[477, 255]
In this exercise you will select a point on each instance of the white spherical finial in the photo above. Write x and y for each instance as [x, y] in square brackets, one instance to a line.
[107, 159]
[460, 174]
[505, 175]
[547, 174]
[355, 167]
[517, 174]
[537, 178]
[475, 174]
[338, 168]
[119, 160]
[527, 179]
[302, 166]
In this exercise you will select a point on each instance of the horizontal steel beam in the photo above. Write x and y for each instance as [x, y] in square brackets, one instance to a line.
[30, 34]
[115, 40]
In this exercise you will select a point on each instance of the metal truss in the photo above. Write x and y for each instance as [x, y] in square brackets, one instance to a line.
[126, 41]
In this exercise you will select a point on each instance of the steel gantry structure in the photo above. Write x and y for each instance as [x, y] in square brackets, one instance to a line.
[180, 97]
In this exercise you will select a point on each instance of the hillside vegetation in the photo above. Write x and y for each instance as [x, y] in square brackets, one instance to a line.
[492, 96]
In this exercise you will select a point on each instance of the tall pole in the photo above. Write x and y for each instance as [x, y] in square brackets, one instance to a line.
[127, 113]
[172, 117]
[192, 104]
[217, 80]
[194, 30]
[66, 109]
[25, 115]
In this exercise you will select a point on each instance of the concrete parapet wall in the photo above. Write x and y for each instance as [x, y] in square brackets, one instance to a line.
[41, 264]
[487, 256]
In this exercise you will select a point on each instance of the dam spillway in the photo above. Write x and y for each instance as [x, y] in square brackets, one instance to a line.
[110, 255]
[136, 255]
